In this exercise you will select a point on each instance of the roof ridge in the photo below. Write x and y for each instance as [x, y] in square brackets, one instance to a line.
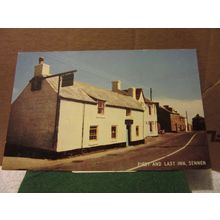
[85, 91]
[114, 93]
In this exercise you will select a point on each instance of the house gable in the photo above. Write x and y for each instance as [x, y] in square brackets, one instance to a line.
[32, 118]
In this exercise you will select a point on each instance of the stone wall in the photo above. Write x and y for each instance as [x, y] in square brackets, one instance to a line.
[32, 118]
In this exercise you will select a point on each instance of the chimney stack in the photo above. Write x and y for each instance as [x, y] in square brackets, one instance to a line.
[168, 107]
[42, 69]
[116, 85]
[132, 92]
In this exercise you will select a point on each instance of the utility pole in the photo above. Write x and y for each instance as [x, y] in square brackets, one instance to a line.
[187, 123]
[151, 94]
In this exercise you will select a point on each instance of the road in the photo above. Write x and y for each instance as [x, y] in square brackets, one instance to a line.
[174, 151]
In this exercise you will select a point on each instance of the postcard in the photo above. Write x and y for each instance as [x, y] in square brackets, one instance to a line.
[107, 111]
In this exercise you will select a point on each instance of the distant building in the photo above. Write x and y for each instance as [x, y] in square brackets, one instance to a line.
[170, 120]
[198, 123]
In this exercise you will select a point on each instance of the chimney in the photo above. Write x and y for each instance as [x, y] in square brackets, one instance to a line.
[168, 107]
[116, 85]
[42, 69]
[132, 92]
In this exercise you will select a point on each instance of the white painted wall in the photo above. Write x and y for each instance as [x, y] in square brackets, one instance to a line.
[70, 126]
[151, 119]
[71, 120]
[111, 116]
[137, 117]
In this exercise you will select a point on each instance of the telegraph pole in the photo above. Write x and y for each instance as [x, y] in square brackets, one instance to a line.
[151, 94]
[187, 123]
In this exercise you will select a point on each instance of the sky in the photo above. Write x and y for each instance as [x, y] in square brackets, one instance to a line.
[172, 74]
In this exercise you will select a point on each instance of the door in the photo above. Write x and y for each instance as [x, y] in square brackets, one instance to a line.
[128, 135]
[128, 123]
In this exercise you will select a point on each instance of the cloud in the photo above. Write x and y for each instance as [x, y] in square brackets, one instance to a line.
[192, 107]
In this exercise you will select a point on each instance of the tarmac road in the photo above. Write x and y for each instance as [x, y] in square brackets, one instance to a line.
[182, 151]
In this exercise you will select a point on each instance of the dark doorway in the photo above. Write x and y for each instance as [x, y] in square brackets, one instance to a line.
[128, 135]
[128, 131]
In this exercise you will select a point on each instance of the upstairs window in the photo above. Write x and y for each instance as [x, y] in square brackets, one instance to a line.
[137, 130]
[93, 132]
[101, 107]
[114, 132]
[128, 112]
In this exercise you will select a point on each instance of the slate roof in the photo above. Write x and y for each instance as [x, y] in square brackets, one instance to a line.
[70, 92]
[171, 112]
[89, 93]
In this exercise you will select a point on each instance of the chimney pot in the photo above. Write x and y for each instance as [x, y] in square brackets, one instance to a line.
[41, 60]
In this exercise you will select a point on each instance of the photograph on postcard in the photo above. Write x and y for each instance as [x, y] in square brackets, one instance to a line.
[107, 110]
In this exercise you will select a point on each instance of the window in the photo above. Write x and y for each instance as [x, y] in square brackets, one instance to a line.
[128, 112]
[151, 126]
[137, 130]
[149, 107]
[114, 132]
[93, 132]
[101, 106]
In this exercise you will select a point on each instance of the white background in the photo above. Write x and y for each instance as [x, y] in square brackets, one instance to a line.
[109, 13]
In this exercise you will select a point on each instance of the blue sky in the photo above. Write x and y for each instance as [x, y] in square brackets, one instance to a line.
[172, 74]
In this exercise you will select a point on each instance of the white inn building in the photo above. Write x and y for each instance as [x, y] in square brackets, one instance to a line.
[58, 113]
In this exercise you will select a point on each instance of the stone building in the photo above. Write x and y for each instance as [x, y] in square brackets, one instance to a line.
[57, 113]
[198, 123]
[170, 120]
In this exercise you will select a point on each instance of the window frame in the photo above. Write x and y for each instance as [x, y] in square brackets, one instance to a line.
[102, 107]
[115, 133]
[93, 135]
[137, 131]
